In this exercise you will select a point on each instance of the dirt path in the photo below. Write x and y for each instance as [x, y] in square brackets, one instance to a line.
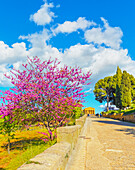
[103, 145]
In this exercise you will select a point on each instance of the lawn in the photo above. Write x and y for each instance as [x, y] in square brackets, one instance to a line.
[25, 146]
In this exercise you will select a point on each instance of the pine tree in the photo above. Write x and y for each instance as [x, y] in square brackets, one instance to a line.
[118, 84]
[104, 90]
[125, 90]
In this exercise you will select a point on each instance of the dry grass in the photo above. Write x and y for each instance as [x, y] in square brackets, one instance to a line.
[26, 145]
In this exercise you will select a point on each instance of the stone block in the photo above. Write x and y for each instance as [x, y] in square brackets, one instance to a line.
[54, 158]
[68, 134]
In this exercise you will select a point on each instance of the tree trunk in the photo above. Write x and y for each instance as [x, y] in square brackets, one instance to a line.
[8, 149]
[107, 103]
[51, 137]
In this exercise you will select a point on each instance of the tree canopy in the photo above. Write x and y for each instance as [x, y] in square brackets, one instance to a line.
[118, 89]
[125, 90]
[104, 90]
[118, 85]
[43, 92]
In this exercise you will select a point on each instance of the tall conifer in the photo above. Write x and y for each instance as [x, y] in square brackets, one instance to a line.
[118, 84]
[125, 90]
[132, 79]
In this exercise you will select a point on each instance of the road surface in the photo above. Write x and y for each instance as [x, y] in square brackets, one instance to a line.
[104, 144]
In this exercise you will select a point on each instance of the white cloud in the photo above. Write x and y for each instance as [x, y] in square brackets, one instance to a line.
[39, 45]
[100, 60]
[102, 106]
[110, 36]
[12, 54]
[3, 80]
[43, 16]
[37, 39]
[79, 54]
[69, 27]
[110, 106]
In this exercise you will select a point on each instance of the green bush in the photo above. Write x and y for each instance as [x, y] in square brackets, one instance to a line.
[128, 111]
[78, 113]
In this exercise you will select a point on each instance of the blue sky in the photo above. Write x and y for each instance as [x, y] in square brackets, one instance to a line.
[96, 35]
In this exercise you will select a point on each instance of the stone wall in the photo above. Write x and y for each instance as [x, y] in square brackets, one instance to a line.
[56, 157]
[68, 134]
[122, 116]
[81, 121]
[130, 117]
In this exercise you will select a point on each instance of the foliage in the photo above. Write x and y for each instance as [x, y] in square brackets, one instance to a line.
[104, 90]
[126, 112]
[132, 80]
[7, 129]
[44, 92]
[78, 112]
[113, 111]
[125, 90]
[122, 89]
[118, 85]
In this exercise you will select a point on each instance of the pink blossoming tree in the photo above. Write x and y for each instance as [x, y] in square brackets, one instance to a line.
[44, 92]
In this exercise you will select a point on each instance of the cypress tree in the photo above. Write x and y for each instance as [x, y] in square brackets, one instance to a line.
[118, 78]
[132, 79]
[125, 90]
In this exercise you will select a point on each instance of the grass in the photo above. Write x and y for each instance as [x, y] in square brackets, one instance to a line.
[72, 122]
[25, 146]
[129, 111]
[30, 162]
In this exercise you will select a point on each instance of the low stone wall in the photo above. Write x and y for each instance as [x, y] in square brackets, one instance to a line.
[130, 117]
[118, 116]
[121, 116]
[81, 120]
[68, 134]
[53, 158]
[56, 157]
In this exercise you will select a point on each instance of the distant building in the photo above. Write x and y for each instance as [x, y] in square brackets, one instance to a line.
[89, 110]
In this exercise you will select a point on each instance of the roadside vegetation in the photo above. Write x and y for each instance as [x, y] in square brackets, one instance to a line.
[26, 144]
[125, 112]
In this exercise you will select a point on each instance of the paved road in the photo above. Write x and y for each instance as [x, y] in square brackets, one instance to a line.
[105, 144]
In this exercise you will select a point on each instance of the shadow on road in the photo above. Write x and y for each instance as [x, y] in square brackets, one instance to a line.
[128, 131]
[115, 122]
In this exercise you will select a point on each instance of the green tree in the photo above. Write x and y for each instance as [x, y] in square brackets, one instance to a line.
[132, 80]
[118, 78]
[125, 90]
[104, 90]
[78, 112]
[7, 129]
